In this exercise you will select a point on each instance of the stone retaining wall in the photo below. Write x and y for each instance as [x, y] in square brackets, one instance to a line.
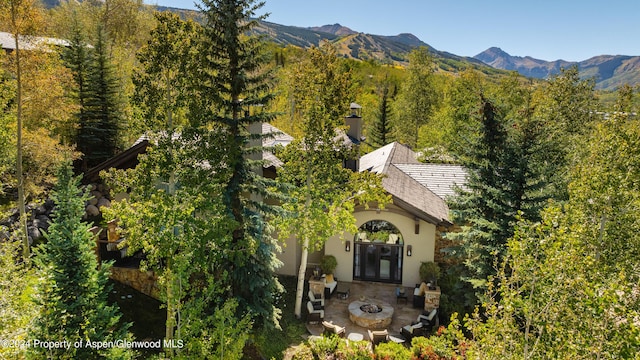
[143, 281]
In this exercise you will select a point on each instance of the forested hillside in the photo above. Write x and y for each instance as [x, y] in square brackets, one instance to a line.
[543, 261]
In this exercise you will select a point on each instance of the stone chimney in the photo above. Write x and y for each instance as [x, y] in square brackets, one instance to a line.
[354, 122]
[354, 131]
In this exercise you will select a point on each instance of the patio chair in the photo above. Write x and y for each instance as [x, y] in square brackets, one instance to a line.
[418, 296]
[377, 337]
[318, 304]
[330, 328]
[314, 316]
[429, 320]
[330, 285]
[410, 331]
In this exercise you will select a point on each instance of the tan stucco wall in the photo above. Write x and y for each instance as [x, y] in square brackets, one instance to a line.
[423, 243]
[290, 257]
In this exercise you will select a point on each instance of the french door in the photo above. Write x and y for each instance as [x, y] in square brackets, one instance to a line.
[377, 262]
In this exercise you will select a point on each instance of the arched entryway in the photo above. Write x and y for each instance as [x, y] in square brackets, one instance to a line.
[378, 252]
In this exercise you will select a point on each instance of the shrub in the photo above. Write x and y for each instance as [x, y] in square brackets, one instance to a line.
[392, 351]
[434, 347]
[325, 346]
[429, 271]
[303, 352]
[328, 264]
[354, 350]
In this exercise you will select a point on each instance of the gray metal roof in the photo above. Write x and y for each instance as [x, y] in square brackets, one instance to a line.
[29, 43]
[273, 136]
[407, 192]
[439, 178]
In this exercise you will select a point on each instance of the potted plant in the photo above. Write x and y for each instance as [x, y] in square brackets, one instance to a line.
[429, 273]
[328, 264]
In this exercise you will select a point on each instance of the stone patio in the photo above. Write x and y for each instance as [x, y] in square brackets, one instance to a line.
[336, 309]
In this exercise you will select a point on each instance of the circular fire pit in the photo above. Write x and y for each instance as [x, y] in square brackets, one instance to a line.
[371, 313]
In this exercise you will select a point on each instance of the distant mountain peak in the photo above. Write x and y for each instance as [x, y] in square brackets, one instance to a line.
[335, 29]
[609, 71]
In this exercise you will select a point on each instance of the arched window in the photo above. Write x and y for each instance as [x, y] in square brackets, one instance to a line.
[378, 252]
[379, 231]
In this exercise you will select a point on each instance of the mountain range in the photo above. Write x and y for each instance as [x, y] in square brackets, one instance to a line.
[609, 71]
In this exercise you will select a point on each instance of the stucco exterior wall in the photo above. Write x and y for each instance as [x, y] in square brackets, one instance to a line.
[423, 244]
[290, 257]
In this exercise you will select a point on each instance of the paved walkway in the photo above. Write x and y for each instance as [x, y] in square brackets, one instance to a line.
[336, 309]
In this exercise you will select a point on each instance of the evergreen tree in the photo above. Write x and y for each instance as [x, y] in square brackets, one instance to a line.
[72, 293]
[505, 181]
[97, 136]
[382, 130]
[232, 80]
[77, 57]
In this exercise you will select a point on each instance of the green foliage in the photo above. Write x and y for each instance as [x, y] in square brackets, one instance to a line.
[323, 195]
[381, 132]
[324, 346]
[416, 98]
[272, 343]
[429, 271]
[232, 78]
[515, 163]
[7, 138]
[17, 309]
[568, 288]
[302, 352]
[161, 84]
[434, 347]
[183, 233]
[391, 351]
[357, 350]
[328, 264]
[220, 336]
[103, 108]
[72, 291]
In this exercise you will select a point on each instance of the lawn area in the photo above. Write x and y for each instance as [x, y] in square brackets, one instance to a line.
[271, 344]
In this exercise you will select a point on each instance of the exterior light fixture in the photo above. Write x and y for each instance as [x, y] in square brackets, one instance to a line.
[409, 250]
[347, 246]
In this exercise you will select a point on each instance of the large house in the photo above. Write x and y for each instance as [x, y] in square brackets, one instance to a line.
[392, 242]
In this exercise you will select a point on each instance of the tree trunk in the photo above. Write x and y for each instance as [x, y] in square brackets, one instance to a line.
[301, 277]
[26, 252]
[305, 254]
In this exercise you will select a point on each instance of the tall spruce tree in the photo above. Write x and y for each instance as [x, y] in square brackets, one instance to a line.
[382, 129]
[73, 288]
[77, 57]
[506, 180]
[97, 136]
[234, 82]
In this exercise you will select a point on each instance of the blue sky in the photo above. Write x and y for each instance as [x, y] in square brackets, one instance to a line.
[571, 30]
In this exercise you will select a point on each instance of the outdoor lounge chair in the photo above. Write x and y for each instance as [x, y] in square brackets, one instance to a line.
[377, 337]
[330, 328]
[314, 316]
[410, 331]
[429, 320]
[315, 301]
